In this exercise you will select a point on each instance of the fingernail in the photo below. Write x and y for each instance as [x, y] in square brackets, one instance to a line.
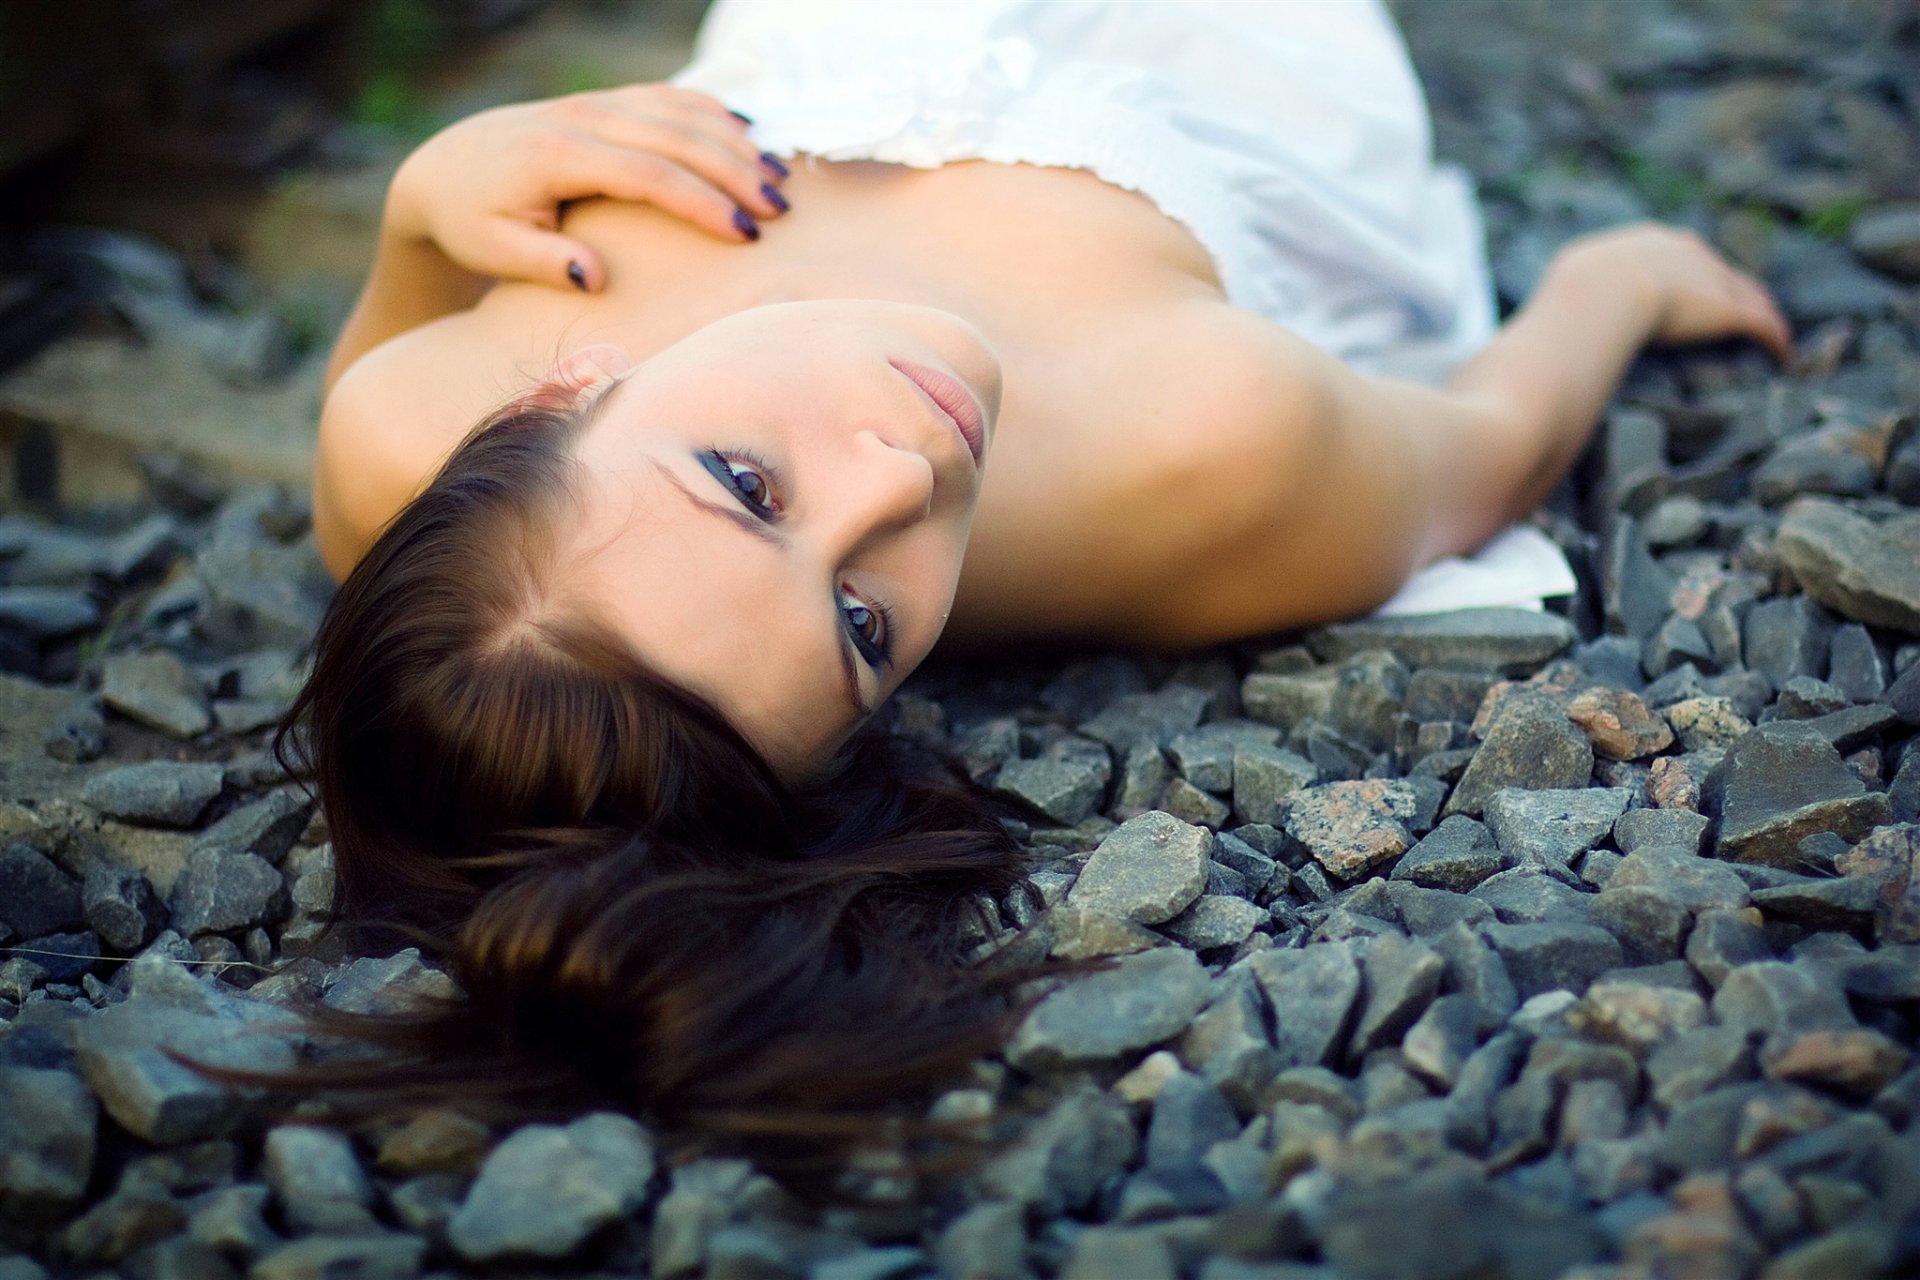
[774, 198]
[773, 164]
[748, 227]
[577, 274]
[743, 119]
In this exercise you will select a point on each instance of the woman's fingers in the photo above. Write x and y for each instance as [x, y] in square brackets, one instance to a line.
[524, 251]
[732, 165]
[672, 187]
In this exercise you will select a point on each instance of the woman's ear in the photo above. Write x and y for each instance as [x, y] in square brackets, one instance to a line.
[588, 367]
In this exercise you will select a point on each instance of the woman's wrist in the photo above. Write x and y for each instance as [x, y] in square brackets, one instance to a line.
[1605, 273]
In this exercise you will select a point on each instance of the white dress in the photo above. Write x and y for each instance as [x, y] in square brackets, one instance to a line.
[1290, 137]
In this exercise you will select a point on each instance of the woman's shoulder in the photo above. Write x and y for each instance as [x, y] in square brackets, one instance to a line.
[391, 418]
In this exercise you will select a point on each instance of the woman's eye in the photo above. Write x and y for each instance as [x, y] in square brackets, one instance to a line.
[750, 484]
[869, 626]
[751, 480]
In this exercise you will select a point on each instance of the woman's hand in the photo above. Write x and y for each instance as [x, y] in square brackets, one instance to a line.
[487, 191]
[1692, 294]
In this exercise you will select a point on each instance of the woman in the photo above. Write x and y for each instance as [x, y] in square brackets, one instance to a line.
[1145, 325]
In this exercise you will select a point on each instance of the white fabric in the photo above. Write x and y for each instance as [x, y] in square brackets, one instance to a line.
[1290, 136]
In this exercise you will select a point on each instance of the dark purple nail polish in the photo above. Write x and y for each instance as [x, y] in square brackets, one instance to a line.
[748, 227]
[577, 274]
[773, 164]
[774, 198]
[743, 119]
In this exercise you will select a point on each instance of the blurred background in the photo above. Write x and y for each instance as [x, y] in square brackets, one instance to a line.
[189, 188]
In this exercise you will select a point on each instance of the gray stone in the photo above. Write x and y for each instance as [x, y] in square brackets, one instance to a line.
[1352, 827]
[1507, 641]
[1887, 238]
[1266, 776]
[389, 1255]
[156, 689]
[1314, 992]
[1190, 804]
[1780, 783]
[1080, 933]
[160, 792]
[1144, 999]
[546, 1189]
[266, 828]
[1205, 756]
[1545, 957]
[223, 892]
[1287, 699]
[1529, 744]
[388, 984]
[317, 1179]
[1148, 871]
[986, 1242]
[78, 736]
[1256, 868]
[46, 613]
[1826, 460]
[435, 1141]
[1785, 638]
[63, 957]
[1401, 978]
[1215, 920]
[1065, 791]
[1143, 775]
[1635, 588]
[36, 897]
[1552, 827]
[1685, 879]
[1648, 924]
[1696, 1062]
[1228, 1044]
[230, 1219]
[1061, 1160]
[1457, 855]
[119, 1051]
[1773, 997]
[1449, 1224]
[1848, 902]
[1681, 829]
[1155, 718]
[121, 906]
[1423, 912]
[1190, 1114]
[702, 1197]
[1530, 895]
[1721, 941]
[1866, 571]
[50, 1122]
[1436, 1047]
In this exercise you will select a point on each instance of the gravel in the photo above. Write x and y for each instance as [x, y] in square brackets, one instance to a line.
[1582, 942]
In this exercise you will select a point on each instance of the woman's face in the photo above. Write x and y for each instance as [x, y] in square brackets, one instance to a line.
[775, 508]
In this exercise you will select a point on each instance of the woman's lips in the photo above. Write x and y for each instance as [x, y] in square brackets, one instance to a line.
[953, 399]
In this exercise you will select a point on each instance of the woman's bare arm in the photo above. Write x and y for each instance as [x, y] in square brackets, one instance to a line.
[482, 199]
[1333, 487]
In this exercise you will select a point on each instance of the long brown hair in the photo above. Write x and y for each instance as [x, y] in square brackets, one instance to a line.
[637, 911]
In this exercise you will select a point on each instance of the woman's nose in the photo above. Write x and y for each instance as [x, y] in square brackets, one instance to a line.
[888, 487]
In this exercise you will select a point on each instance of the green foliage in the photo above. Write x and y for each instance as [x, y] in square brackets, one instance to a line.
[580, 76]
[1666, 190]
[1834, 220]
[394, 40]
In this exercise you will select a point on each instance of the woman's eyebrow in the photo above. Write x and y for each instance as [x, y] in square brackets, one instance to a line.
[753, 525]
[843, 647]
